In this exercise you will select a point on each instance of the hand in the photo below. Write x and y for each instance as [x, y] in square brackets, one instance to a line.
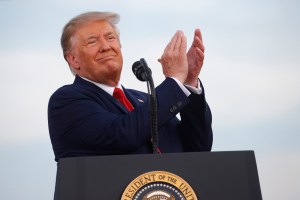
[174, 59]
[195, 58]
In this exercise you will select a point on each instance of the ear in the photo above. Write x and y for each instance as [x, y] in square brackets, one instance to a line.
[72, 60]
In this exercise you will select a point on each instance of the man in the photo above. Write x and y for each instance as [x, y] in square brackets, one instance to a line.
[86, 120]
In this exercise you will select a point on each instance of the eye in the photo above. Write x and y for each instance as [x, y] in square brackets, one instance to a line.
[90, 42]
[111, 37]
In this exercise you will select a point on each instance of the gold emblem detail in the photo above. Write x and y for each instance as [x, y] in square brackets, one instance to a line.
[158, 185]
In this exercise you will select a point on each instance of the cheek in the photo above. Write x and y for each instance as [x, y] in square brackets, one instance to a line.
[120, 54]
[121, 57]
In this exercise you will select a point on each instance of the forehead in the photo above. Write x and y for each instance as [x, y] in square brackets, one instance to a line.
[94, 28]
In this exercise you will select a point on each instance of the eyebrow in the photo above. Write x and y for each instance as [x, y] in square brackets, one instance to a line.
[110, 33]
[94, 36]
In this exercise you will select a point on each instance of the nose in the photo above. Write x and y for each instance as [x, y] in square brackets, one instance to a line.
[104, 45]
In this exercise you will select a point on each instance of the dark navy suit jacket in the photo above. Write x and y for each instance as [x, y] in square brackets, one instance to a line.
[84, 120]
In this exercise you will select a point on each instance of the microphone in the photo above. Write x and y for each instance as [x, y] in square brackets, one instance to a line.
[141, 70]
[143, 73]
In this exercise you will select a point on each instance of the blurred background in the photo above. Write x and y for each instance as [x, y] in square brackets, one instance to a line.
[251, 77]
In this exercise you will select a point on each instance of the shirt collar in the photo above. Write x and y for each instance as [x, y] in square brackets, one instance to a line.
[106, 88]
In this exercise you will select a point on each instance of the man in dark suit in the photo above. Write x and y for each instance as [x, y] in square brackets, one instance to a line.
[85, 119]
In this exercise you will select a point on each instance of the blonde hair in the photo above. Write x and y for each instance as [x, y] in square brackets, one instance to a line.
[75, 23]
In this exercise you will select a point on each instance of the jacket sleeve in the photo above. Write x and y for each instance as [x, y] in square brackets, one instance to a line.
[195, 126]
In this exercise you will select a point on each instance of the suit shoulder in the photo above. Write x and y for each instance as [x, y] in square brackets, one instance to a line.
[65, 90]
[68, 93]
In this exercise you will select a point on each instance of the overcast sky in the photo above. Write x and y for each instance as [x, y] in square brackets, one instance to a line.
[251, 78]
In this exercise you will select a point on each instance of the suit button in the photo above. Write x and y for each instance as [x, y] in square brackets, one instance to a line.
[173, 109]
[179, 103]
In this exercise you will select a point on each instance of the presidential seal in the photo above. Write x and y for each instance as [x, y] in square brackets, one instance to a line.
[158, 185]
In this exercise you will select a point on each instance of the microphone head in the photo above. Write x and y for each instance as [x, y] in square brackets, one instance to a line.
[139, 71]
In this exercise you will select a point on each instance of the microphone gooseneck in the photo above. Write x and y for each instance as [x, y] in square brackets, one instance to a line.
[143, 73]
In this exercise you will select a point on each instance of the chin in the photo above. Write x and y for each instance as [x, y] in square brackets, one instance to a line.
[115, 67]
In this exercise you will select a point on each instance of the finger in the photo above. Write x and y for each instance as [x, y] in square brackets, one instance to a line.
[200, 54]
[198, 34]
[198, 43]
[178, 43]
[173, 41]
[167, 47]
[183, 46]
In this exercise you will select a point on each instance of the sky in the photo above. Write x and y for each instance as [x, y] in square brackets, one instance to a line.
[250, 74]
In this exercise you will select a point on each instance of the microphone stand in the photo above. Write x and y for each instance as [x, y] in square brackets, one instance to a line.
[153, 106]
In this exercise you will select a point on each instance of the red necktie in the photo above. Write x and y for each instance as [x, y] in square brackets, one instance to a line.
[119, 95]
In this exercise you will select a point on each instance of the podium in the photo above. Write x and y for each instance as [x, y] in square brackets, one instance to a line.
[208, 175]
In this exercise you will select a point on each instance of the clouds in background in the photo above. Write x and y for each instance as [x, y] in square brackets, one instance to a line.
[251, 78]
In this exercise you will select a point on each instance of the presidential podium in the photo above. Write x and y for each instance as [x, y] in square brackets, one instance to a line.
[229, 175]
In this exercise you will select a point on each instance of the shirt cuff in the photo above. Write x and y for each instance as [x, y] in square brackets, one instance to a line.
[197, 90]
[184, 89]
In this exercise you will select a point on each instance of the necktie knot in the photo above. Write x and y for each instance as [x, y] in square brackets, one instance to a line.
[120, 96]
[118, 93]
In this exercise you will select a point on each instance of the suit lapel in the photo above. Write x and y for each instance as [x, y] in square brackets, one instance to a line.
[116, 103]
[136, 98]
[103, 97]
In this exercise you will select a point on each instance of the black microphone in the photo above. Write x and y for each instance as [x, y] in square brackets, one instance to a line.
[143, 73]
[139, 69]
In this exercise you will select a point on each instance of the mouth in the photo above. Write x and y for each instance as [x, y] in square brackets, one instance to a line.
[104, 58]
